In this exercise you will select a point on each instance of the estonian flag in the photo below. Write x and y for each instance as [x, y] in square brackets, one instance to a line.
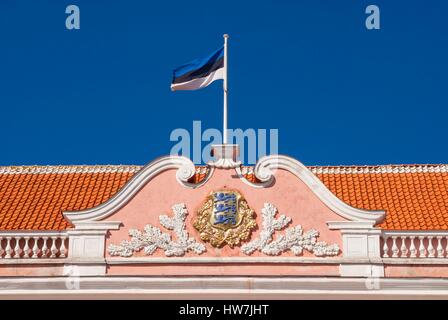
[199, 73]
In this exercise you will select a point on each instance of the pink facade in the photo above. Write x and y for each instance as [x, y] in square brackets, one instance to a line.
[289, 194]
[345, 250]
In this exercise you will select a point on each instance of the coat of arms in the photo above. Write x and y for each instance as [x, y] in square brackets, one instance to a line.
[225, 218]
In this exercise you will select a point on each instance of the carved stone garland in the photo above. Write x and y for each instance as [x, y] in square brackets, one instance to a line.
[152, 238]
[293, 239]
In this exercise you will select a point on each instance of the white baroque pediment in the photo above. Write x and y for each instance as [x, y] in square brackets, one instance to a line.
[264, 170]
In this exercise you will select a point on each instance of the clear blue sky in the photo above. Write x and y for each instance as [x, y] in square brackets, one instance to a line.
[337, 92]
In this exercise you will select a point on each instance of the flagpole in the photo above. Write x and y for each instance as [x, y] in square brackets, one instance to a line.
[224, 131]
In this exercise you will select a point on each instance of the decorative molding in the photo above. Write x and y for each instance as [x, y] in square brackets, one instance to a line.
[416, 261]
[225, 156]
[417, 168]
[185, 171]
[264, 171]
[293, 239]
[202, 170]
[98, 225]
[426, 168]
[37, 233]
[40, 261]
[267, 260]
[350, 225]
[246, 170]
[232, 287]
[224, 164]
[69, 169]
[415, 233]
[152, 238]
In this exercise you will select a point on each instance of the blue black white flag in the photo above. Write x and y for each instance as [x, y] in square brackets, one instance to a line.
[199, 73]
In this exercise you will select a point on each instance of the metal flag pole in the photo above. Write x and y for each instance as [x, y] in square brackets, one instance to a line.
[224, 131]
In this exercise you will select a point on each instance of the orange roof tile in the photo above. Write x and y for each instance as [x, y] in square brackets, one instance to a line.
[415, 197]
[33, 198]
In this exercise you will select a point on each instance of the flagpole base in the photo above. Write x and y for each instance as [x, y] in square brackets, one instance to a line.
[225, 156]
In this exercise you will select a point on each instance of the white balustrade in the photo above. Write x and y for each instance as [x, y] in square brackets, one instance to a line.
[26, 248]
[385, 247]
[422, 249]
[431, 250]
[44, 247]
[23, 245]
[395, 249]
[412, 248]
[35, 248]
[415, 245]
[403, 248]
[8, 249]
[440, 253]
[53, 248]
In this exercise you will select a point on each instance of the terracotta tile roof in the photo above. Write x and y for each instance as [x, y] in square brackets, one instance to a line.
[33, 198]
[415, 197]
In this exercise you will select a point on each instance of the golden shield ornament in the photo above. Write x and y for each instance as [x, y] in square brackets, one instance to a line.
[225, 218]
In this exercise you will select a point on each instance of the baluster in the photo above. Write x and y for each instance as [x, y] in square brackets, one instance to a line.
[431, 248]
[17, 250]
[8, 248]
[35, 248]
[412, 248]
[421, 249]
[445, 247]
[44, 248]
[440, 252]
[26, 248]
[53, 249]
[385, 248]
[394, 247]
[62, 249]
[1, 247]
[403, 249]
